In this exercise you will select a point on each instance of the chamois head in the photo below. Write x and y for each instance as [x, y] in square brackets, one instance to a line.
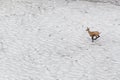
[87, 29]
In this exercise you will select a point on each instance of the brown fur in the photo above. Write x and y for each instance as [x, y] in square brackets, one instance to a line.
[93, 34]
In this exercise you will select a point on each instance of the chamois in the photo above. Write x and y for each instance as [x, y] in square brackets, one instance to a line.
[93, 34]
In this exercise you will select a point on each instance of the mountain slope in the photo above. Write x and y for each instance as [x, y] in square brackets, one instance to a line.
[46, 42]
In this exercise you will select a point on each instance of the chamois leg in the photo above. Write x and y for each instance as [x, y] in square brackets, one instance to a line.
[97, 37]
[92, 39]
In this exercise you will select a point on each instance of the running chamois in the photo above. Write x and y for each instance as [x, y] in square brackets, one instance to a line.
[93, 34]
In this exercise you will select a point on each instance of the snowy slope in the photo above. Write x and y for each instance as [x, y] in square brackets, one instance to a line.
[47, 40]
[115, 2]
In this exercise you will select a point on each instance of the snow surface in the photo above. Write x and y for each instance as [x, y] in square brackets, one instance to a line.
[47, 40]
[115, 2]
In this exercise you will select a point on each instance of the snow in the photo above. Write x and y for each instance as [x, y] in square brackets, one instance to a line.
[46, 40]
[115, 2]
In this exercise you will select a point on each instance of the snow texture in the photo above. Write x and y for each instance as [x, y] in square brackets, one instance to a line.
[47, 40]
[115, 2]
